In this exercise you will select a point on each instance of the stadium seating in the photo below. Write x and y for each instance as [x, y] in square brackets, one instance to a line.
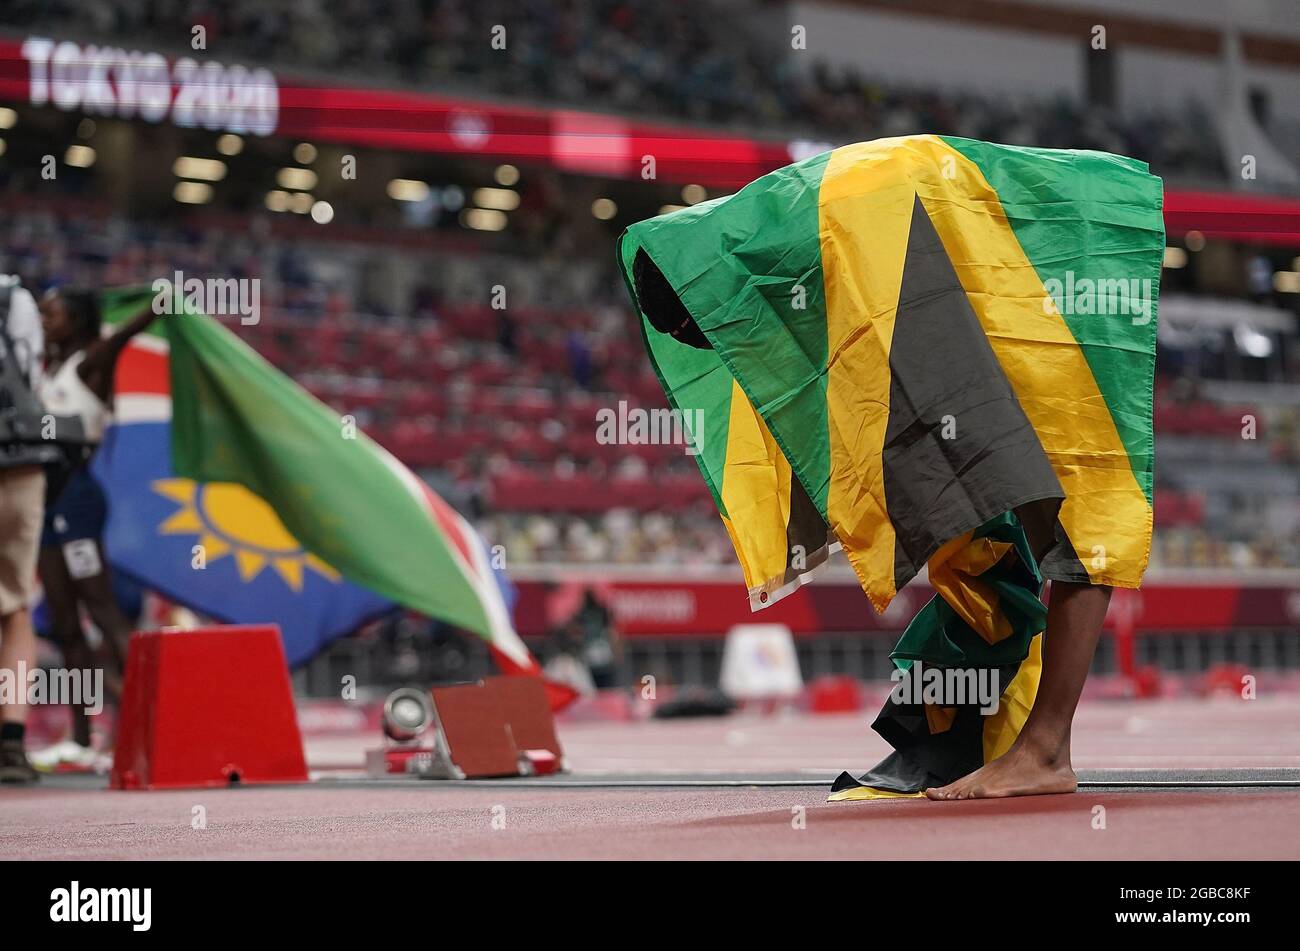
[634, 56]
[498, 408]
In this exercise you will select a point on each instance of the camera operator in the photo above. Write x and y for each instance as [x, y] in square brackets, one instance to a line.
[23, 452]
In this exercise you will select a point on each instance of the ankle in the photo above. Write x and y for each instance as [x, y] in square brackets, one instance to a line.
[1045, 750]
[12, 731]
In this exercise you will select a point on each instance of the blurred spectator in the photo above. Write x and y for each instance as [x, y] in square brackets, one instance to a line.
[589, 637]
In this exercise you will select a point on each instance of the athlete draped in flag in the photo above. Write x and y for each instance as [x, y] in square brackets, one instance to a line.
[887, 360]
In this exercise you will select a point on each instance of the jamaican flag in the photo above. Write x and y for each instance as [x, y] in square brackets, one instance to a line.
[928, 351]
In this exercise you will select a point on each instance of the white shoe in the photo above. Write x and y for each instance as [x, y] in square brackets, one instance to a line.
[65, 756]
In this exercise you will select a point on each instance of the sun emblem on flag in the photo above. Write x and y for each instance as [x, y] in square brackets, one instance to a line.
[230, 520]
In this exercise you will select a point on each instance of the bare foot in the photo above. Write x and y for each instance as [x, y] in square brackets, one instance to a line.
[1018, 772]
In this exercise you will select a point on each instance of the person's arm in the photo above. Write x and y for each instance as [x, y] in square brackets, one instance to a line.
[97, 367]
[27, 335]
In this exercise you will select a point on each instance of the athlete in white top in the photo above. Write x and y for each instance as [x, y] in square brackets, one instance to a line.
[80, 361]
[79, 382]
[65, 393]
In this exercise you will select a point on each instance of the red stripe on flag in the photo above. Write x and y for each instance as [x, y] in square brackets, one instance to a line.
[447, 518]
[142, 371]
[558, 695]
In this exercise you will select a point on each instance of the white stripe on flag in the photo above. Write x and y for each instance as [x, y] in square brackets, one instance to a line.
[484, 579]
[150, 342]
[478, 572]
[142, 408]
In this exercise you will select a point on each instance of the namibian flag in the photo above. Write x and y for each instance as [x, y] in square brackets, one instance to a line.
[235, 492]
[909, 340]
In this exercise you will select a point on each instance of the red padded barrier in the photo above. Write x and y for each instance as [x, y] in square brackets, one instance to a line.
[207, 707]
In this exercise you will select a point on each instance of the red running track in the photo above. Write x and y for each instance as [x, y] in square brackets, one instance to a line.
[432, 820]
[426, 822]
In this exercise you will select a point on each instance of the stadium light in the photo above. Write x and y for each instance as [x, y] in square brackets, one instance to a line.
[408, 714]
[408, 189]
[304, 153]
[7, 118]
[296, 179]
[507, 175]
[1286, 282]
[322, 212]
[300, 203]
[694, 194]
[1175, 258]
[206, 170]
[483, 219]
[604, 209]
[500, 199]
[230, 144]
[669, 209]
[192, 193]
[79, 156]
[2, 146]
[1194, 240]
[277, 200]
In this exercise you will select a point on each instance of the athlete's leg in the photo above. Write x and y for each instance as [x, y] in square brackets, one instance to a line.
[65, 627]
[1039, 760]
[95, 591]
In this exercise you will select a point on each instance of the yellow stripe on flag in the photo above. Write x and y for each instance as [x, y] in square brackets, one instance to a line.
[866, 202]
[1002, 727]
[756, 494]
[1105, 513]
[863, 793]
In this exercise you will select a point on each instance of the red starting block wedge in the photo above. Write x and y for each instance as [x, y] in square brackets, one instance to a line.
[538, 763]
[207, 707]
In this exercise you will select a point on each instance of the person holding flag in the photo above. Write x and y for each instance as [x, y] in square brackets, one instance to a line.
[234, 492]
[74, 571]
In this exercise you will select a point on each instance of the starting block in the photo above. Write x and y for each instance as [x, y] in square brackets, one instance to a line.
[207, 707]
[499, 726]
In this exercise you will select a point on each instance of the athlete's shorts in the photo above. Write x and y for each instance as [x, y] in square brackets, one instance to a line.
[80, 511]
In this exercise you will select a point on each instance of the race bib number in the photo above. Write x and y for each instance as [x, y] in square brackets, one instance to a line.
[82, 558]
